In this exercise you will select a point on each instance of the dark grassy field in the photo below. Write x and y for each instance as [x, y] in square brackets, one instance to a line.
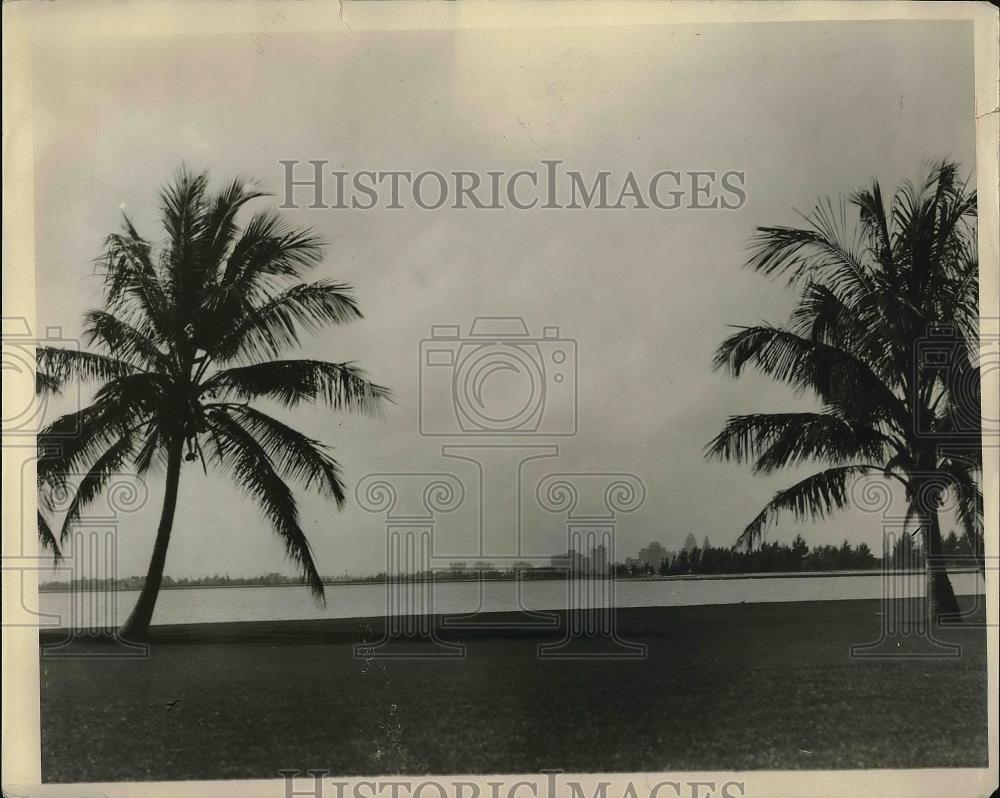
[763, 686]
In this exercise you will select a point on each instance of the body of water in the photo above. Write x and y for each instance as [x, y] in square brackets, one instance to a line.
[207, 605]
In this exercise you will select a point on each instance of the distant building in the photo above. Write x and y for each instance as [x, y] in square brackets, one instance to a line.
[653, 554]
[599, 560]
[572, 560]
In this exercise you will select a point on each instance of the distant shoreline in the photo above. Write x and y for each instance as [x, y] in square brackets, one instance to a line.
[65, 588]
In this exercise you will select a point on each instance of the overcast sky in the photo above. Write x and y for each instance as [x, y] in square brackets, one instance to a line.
[804, 109]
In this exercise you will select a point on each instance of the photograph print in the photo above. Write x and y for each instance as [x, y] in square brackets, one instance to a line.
[410, 403]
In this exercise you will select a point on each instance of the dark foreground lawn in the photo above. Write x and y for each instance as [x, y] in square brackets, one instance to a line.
[763, 686]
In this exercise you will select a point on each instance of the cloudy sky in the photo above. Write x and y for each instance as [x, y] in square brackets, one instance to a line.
[804, 109]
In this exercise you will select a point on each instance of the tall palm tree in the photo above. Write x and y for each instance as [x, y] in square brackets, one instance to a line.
[873, 301]
[190, 335]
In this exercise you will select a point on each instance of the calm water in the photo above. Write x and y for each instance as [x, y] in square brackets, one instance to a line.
[204, 605]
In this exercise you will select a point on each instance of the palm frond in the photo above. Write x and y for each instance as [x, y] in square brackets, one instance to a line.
[137, 395]
[296, 456]
[779, 440]
[123, 341]
[75, 439]
[875, 225]
[816, 496]
[95, 480]
[153, 450]
[239, 452]
[183, 211]
[263, 332]
[839, 378]
[221, 227]
[133, 289]
[269, 248]
[46, 384]
[47, 539]
[290, 382]
[822, 252]
[58, 365]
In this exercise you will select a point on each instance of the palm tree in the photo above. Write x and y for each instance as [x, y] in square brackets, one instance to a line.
[872, 302]
[189, 337]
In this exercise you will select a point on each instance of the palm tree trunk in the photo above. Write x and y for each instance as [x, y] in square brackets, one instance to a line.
[137, 625]
[941, 599]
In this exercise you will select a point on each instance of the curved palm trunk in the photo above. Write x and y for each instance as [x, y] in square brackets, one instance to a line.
[137, 625]
[941, 599]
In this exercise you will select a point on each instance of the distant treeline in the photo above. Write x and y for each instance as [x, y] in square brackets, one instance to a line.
[766, 558]
[216, 580]
[905, 553]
